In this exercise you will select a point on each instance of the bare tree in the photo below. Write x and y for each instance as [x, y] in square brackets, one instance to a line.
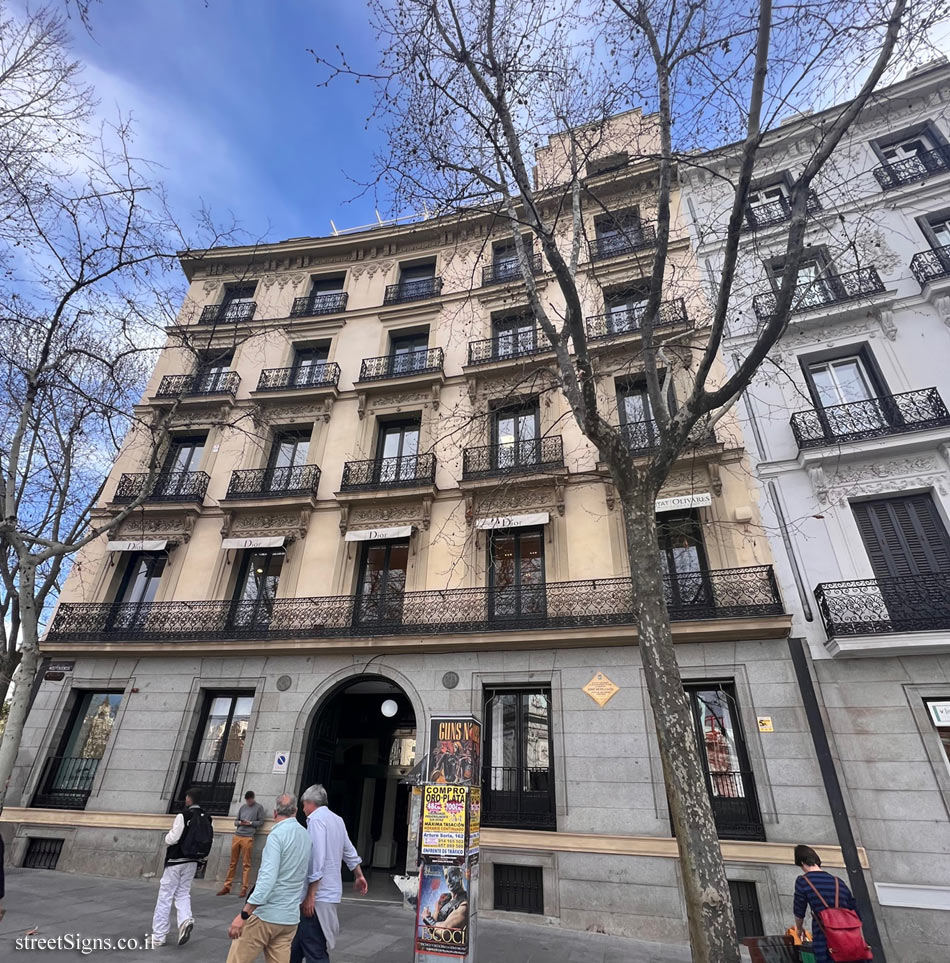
[469, 90]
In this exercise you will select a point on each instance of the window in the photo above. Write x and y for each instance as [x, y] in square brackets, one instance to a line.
[939, 712]
[382, 581]
[256, 588]
[518, 889]
[910, 155]
[216, 752]
[725, 760]
[42, 853]
[847, 392]
[184, 454]
[397, 448]
[938, 230]
[288, 453]
[518, 782]
[624, 310]
[238, 303]
[408, 273]
[516, 437]
[327, 284]
[514, 336]
[137, 590]
[912, 147]
[745, 908]
[683, 559]
[618, 232]
[409, 352]
[636, 416]
[817, 283]
[904, 536]
[309, 365]
[516, 573]
[212, 371]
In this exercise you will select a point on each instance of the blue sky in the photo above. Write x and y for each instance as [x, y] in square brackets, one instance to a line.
[225, 97]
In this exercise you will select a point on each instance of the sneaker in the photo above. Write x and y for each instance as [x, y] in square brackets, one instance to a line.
[157, 941]
[184, 932]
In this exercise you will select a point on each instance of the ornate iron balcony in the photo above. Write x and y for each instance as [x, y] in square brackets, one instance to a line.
[274, 482]
[722, 594]
[167, 486]
[632, 239]
[325, 374]
[875, 418]
[759, 216]
[412, 290]
[226, 313]
[518, 797]
[735, 804]
[314, 304]
[824, 292]
[203, 383]
[616, 323]
[65, 782]
[513, 458]
[417, 362]
[508, 269]
[908, 170]
[507, 346]
[407, 471]
[876, 606]
[930, 265]
[214, 777]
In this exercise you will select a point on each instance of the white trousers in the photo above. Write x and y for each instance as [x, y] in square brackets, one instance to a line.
[175, 887]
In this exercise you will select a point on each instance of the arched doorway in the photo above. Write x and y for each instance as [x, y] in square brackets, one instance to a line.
[361, 746]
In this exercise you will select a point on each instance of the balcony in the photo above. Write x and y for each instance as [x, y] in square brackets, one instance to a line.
[931, 265]
[760, 216]
[875, 418]
[233, 313]
[166, 486]
[323, 375]
[204, 384]
[824, 292]
[613, 245]
[408, 471]
[509, 346]
[883, 606]
[529, 457]
[508, 269]
[314, 304]
[299, 480]
[65, 782]
[613, 324]
[909, 170]
[416, 290]
[215, 779]
[421, 361]
[515, 797]
[709, 595]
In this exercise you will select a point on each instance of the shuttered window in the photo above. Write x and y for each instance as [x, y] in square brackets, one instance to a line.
[903, 536]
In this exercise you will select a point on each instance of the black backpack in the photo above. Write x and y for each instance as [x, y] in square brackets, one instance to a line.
[198, 835]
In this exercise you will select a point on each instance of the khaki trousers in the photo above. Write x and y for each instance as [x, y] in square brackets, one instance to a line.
[241, 846]
[271, 939]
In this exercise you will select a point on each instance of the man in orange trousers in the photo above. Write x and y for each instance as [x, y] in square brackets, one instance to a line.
[249, 819]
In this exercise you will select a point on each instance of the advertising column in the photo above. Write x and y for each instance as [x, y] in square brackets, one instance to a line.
[448, 841]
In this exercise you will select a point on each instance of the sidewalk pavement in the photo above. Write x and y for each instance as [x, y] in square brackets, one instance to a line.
[93, 906]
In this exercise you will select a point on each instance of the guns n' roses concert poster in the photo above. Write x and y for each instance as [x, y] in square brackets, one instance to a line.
[455, 752]
[442, 914]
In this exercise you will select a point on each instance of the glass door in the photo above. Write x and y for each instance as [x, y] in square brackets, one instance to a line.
[516, 574]
[137, 590]
[514, 337]
[382, 581]
[683, 561]
[408, 353]
[309, 366]
[517, 443]
[211, 374]
[848, 399]
[398, 450]
[636, 417]
[256, 588]
[287, 455]
[218, 748]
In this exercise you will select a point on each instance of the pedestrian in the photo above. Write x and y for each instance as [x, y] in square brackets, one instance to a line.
[821, 891]
[249, 819]
[268, 921]
[189, 842]
[319, 924]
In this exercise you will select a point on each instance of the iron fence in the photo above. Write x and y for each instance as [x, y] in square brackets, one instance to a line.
[759, 216]
[513, 458]
[824, 291]
[65, 782]
[203, 383]
[613, 245]
[166, 486]
[314, 304]
[929, 265]
[507, 346]
[228, 313]
[214, 778]
[412, 290]
[630, 320]
[518, 797]
[324, 374]
[908, 170]
[407, 471]
[508, 269]
[274, 482]
[416, 362]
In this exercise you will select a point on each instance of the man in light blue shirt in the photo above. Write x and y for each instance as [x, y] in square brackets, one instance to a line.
[319, 924]
[268, 922]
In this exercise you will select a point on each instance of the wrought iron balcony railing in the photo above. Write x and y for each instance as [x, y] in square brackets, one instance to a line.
[516, 797]
[759, 216]
[735, 804]
[877, 606]
[874, 418]
[226, 313]
[417, 362]
[407, 471]
[508, 269]
[203, 383]
[513, 458]
[908, 170]
[412, 290]
[215, 779]
[629, 320]
[325, 374]
[167, 486]
[929, 265]
[716, 594]
[314, 304]
[274, 482]
[65, 782]
[507, 346]
[633, 239]
[823, 292]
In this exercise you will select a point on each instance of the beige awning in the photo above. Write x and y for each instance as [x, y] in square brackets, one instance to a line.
[513, 521]
[262, 541]
[378, 534]
[137, 545]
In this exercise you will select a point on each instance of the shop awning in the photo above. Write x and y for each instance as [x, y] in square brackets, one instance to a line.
[137, 545]
[678, 502]
[261, 541]
[377, 534]
[513, 521]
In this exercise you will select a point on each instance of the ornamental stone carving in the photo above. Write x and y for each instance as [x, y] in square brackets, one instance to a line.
[879, 478]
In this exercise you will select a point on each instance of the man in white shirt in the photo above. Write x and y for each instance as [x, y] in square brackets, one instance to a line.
[319, 925]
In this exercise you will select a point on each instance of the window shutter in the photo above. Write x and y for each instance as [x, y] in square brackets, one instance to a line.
[903, 536]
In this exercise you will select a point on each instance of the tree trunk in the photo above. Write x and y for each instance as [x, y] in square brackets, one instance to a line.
[23, 675]
[709, 909]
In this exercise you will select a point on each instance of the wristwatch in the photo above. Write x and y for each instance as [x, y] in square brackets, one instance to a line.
[245, 915]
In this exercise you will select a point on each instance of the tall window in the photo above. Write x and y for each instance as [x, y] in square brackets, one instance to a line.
[847, 392]
[725, 759]
[516, 436]
[212, 369]
[238, 302]
[256, 587]
[288, 452]
[516, 573]
[518, 781]
[514, 336]
[138, 588]
[408, 273]
[939, 711]
[636, 416]
[910, 150]
[683, 559]
[408, 352]
[327, 284]
[938, 230]
[382, 581]
[184, 453]
[397, 448]
[308, 365]
[618, 232]
[816, 284]
[904, 536]
[624, 310]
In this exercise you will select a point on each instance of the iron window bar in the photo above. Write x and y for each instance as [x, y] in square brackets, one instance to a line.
[203, 383]
[929, 265]
[508, 269]
[518, 797]
[625, 242]
[324, 374]
[415, 290]
[616, 323]
[508, 346]
[215, 779]
[416, 362]
[822, 292]
[226, 313]
[513, 458]
[166, 486]
[735, 804]
[274, 482]
[406, 471]
[314, 304]
[909, 170]
[760, 216]
[65, 782]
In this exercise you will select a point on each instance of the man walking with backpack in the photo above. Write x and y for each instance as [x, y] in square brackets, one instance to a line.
[189, 842]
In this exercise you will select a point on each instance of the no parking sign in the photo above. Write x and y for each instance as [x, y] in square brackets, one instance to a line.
[280, 761]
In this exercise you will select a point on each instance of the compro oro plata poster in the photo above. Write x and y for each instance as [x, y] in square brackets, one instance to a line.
[442, 920]
[444, 813]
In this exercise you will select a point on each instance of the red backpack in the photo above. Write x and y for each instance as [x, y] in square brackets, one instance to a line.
[842, 929]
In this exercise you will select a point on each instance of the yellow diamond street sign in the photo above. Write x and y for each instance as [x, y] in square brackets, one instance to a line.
[601, 689]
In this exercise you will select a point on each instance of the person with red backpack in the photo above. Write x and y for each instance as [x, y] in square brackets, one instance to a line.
[838, 937]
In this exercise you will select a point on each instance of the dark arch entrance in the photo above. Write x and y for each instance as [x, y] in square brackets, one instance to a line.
[361, 754]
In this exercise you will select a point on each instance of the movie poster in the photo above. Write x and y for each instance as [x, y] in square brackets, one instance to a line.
[455, 752]
[444, 822]
[442, 914]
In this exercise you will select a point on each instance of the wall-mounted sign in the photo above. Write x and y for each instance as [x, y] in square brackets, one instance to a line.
[137, 545]
[513, 521]
[601, 689]
[281, 758]
[765, 723]
[377, 534]
[678, 502]
[940, 712]
[261, 541]
[60, 666]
